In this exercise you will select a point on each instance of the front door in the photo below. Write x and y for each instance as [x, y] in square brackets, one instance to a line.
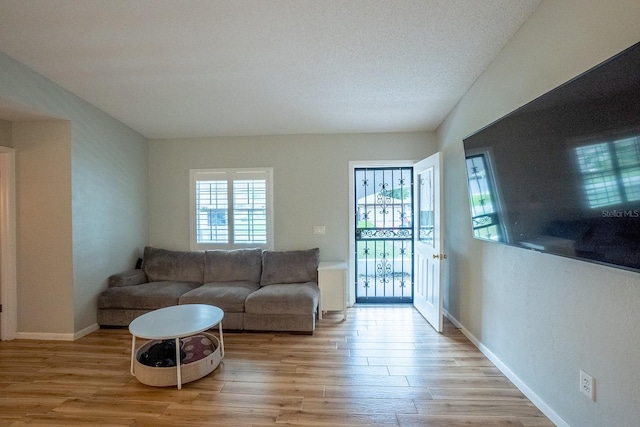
[383, 209]
[428, 289]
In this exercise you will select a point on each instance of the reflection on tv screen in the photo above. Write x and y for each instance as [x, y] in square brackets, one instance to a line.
[562, 173]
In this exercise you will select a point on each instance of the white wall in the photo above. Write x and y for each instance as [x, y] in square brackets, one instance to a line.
[543, 316]
[5, 133]
[45, 261]
[105, 168]
[311, 181]
[5, 141]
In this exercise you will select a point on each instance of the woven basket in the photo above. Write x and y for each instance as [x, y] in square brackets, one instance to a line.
[164, 377]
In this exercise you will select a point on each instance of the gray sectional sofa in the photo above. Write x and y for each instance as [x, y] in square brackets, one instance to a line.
[257, 290]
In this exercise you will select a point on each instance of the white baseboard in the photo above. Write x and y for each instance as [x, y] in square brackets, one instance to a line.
[86, 331]
[531, 395]
[44, 336]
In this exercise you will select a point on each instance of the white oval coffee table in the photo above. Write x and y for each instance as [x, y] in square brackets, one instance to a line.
[174, 323]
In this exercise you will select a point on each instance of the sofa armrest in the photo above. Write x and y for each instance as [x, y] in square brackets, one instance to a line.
[128, 278]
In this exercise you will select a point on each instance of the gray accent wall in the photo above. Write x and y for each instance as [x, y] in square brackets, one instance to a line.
[544, 317]
[81, 184]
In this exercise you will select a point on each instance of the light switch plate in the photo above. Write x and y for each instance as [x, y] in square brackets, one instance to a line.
[319, 229]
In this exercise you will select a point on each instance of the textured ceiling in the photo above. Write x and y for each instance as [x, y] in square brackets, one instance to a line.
[197, 68]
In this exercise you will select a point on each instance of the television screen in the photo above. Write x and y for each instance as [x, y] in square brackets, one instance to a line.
[562, 173]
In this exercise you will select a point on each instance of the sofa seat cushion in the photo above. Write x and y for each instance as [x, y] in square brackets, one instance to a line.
[239, 265]
[176, 266]
[148, 296]
[230, 297]
[299, 298]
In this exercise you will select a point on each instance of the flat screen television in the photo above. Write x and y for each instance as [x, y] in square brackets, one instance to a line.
[561, 174]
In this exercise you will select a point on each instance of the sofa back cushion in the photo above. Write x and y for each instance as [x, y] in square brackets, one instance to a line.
[290, 266]
[238, 265]
[176, 266]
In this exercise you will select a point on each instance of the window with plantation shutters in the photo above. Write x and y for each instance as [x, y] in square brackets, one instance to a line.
[231, 208]
[610, 171]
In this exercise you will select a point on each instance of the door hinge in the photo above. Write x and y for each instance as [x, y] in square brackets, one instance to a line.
[0, 308]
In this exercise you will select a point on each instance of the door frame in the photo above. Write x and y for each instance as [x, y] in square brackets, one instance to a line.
[8, 259]
[353, 165]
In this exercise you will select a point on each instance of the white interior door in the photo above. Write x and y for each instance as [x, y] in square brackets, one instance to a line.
[428, 256]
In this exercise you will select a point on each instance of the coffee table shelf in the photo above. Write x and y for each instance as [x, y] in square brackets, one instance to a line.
[174, 323]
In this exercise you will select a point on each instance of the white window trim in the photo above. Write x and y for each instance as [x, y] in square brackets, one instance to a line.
[230, 174]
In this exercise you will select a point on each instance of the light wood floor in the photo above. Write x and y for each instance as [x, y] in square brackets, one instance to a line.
[384, 366]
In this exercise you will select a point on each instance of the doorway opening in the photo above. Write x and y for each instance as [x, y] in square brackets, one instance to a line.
[383, 229]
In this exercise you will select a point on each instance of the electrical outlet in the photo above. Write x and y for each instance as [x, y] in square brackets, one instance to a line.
[587, 385]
